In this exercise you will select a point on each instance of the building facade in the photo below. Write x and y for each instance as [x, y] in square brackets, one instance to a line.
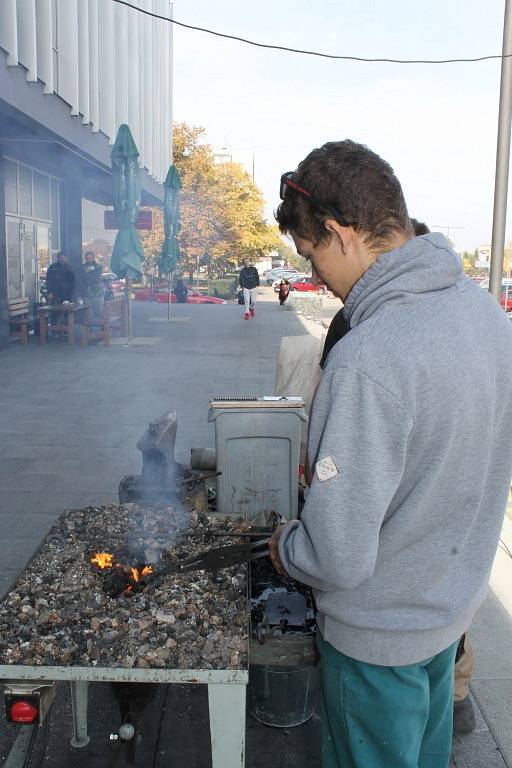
[71, 72]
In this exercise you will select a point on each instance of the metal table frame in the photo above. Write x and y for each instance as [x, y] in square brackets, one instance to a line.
[226, 699]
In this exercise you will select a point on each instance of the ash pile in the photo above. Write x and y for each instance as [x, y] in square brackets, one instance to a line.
[128, 609]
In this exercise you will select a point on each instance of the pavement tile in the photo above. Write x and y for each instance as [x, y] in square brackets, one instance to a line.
[491, 636]
[11, 465]
[494, 697]
[25, 481]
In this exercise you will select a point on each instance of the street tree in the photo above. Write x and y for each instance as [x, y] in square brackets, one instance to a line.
[222, 210]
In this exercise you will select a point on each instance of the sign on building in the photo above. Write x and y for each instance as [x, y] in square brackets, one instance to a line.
[144, 220]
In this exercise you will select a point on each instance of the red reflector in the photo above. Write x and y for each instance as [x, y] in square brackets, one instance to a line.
[23, 712]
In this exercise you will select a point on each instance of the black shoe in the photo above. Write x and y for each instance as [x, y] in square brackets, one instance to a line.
[463, 716]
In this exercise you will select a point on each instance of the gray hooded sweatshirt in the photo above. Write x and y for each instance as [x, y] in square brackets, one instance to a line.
[410, 440]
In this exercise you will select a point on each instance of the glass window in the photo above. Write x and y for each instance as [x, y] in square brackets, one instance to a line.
[13, 260]
[11, 186]
[25, 190]
[41, 196]
[54, 214]
[43, 248]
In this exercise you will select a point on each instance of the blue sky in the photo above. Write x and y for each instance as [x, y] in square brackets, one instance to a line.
[435, 124]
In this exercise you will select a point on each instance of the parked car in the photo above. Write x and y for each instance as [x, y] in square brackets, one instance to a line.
[161, 295]
[306, 284]
[506, 299]
[112, 283]
[278, 273]
[290, 276]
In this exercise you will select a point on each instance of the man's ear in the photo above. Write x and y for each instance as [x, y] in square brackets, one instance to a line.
[335, 229]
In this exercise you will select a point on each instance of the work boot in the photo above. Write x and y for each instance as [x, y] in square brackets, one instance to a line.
[253, 312]
[463, 716]
[247, 316]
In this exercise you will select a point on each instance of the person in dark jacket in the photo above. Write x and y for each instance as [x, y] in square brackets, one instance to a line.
[60, 281]
[91, 285]
[284, 290]
[181, 291]
[249, 281]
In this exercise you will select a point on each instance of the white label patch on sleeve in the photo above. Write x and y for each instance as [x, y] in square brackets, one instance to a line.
[326, 468]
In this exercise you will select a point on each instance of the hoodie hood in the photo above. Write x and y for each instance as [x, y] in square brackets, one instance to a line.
[423, 265]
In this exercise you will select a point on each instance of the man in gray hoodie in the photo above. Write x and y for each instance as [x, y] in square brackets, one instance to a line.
[412, 459]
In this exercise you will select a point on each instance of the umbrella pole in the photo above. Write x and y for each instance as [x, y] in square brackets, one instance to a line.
[169, 303]
[128, 290]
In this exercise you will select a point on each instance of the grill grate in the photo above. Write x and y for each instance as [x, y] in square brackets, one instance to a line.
[241, 398]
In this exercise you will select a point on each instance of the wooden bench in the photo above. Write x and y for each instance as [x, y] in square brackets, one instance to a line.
[115, 318]
[20, 318]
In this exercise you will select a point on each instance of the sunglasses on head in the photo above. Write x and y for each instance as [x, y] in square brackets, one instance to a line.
[288, 182]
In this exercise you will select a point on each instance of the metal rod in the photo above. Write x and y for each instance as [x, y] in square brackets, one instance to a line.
[20, 748]
[128, 289]
[502, 159]
[79, 692]
[16, 672]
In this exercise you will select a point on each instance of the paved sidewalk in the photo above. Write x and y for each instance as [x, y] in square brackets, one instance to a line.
[68, 429]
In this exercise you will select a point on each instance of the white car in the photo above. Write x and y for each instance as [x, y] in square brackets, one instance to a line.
[290, 276]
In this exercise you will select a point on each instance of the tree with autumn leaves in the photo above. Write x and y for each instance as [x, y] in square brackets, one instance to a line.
[222, 211]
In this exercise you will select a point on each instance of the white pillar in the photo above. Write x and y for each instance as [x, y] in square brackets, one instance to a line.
[27, 40]
[157, 97]
[133, 72]
[121, 64]
[142, 66]
[171, 86]
[83, 59]
[106, 74]
[67, 45]
[9, 31]
[44, 44]
[94, 100]
[148, 88]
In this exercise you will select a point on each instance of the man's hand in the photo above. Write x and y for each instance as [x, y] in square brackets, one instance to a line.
[274, 551]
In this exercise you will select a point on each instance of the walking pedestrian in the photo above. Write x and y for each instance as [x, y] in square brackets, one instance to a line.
[181, 291]
[284, 290]
[249, 282]
[400, 526]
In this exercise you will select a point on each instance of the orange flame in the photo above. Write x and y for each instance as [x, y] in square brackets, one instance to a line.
[102, 559]
[138, 573]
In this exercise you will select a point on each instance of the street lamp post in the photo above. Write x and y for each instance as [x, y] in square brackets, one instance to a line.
[502, 159]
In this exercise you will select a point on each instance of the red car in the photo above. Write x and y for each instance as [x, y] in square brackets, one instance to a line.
[305, 284]
[161, 295]
[506, 300]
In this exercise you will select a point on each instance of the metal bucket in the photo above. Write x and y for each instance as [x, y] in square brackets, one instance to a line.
[282, 692]
[282, 698]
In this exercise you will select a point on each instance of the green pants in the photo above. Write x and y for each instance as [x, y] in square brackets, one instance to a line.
[386, 717]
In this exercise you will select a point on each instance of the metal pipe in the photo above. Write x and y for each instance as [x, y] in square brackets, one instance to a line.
[502, 158]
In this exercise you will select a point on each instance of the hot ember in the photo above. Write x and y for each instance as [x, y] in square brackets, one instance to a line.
[120, 577]
[102, 559]
[138, 573]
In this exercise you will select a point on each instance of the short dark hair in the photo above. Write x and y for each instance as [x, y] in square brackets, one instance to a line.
[420, 228]
[90, 253]
[356, 181]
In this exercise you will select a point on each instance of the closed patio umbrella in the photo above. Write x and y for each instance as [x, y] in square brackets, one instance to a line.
[127, 254]
[170, 254]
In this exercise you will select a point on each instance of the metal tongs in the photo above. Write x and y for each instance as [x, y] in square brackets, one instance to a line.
[225, 557]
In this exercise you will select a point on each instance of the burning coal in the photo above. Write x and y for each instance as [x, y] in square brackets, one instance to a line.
[121, 577]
